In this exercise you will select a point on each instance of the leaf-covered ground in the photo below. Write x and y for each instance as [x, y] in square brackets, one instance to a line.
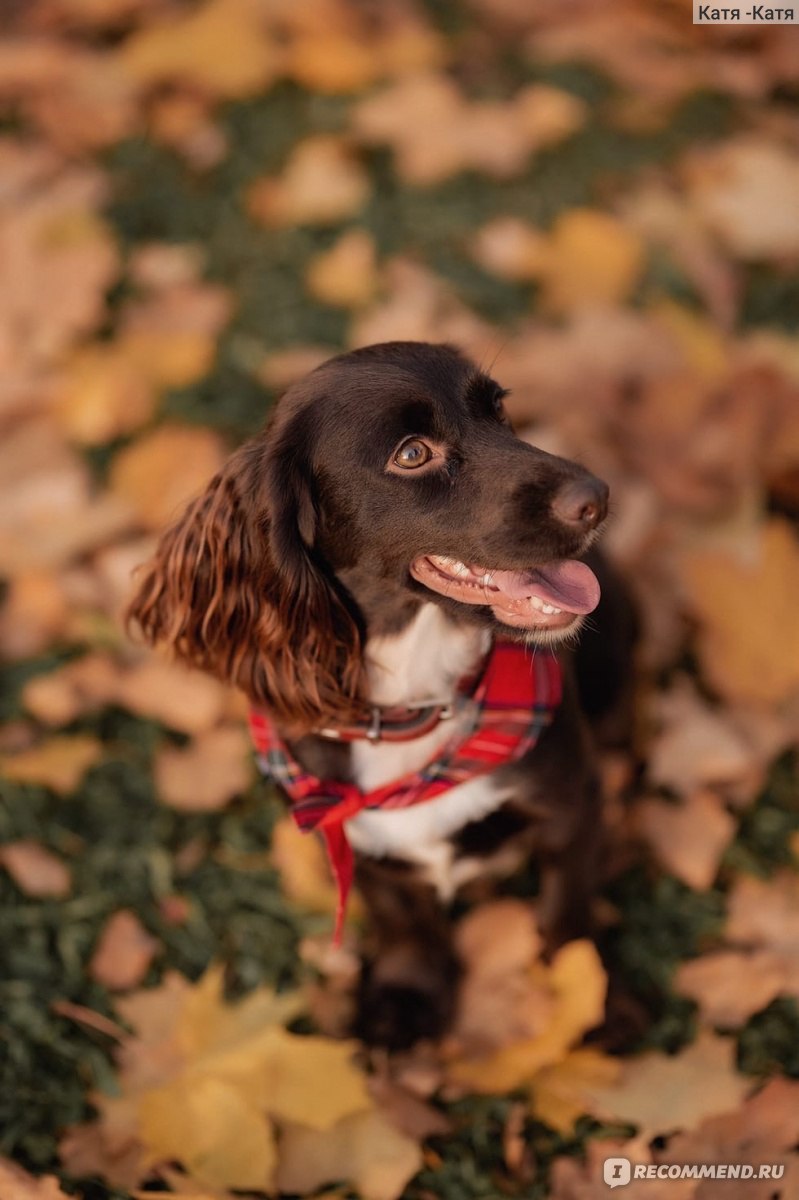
[202, 199]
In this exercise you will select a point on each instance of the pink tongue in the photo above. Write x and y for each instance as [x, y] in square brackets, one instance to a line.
[567, 584]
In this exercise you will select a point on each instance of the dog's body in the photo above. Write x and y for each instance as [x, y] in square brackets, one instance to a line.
[324, 571]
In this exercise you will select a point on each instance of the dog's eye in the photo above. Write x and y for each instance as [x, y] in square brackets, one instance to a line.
[413, 453]
[499, 407]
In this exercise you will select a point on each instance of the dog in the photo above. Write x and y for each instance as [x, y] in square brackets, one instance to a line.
[360, 569]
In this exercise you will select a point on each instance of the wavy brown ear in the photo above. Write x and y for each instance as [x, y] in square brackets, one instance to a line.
[235, 590]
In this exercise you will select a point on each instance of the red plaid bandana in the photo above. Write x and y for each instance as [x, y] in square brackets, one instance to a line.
[514, 700]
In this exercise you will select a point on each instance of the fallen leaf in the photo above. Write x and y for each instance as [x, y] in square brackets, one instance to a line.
[18, 1184]
[591, 258]
[345, 275]
[698, 746]
[743, 190]
[436, 132]
[510, 248]
[188, 701]
[34, 614]
[687, 837]
[207, 774]
[162, 470]
[577, 983]
[724, 591]
[123, 953]
[765, 912]
[35, 870]
[730, 986]
[557, 1092]
[58, 762]
[223, 47]
[363, 1148]
[220, 1137]
[659, 1093]
[321, 184]
[102, 396]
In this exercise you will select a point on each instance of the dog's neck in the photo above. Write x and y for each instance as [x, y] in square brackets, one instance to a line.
[425, 662]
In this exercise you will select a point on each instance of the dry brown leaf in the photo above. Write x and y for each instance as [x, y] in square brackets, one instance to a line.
[577, 983]
[572, 1179]
[659, 1093]
[699, 746]
[223, 47]
[52, 244]
[435, 132]
[688, 837]
[35, 870]
[123, 953]
[417, 301]
[765, 912]
[730, 986]
[284, 367]
[321, 184]
[188, 701]
[18, 1184]
[744, 191]
[724, 591]
[58, 697]
[49, 510]
[510, 248]
[207, 774]
[363, 1148]
[58, 762]
[164, 469]
[501, 1000]
[346, 274]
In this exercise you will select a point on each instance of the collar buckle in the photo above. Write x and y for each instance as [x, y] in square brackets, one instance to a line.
[375, 730]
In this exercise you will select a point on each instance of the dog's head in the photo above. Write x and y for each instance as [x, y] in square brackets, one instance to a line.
[386, 478]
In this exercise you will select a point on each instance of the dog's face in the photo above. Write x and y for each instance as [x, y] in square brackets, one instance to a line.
[386, 478]
[422, 491]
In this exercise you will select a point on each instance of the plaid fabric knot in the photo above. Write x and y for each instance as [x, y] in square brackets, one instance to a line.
[515, 699]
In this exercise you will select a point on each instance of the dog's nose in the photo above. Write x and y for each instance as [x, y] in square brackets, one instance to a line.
[583, 503]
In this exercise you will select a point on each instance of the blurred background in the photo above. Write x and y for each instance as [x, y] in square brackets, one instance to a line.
[200, 200]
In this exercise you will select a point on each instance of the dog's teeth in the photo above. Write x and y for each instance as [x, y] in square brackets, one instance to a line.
[486, 579]
[549, 609]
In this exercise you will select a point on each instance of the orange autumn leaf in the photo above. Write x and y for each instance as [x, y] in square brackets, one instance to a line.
[724, 591]
[223, 47]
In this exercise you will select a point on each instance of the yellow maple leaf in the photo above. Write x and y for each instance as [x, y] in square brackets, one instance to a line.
[557, 1093]
[578, 984]
[219, 1135]
[749, 635]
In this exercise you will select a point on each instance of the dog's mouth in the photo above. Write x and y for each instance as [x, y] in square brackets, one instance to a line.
[552, 596]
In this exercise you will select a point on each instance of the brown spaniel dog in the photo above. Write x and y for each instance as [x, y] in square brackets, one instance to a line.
[396, 581]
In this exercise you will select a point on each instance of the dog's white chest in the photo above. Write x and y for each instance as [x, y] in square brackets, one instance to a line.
[421, 665]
